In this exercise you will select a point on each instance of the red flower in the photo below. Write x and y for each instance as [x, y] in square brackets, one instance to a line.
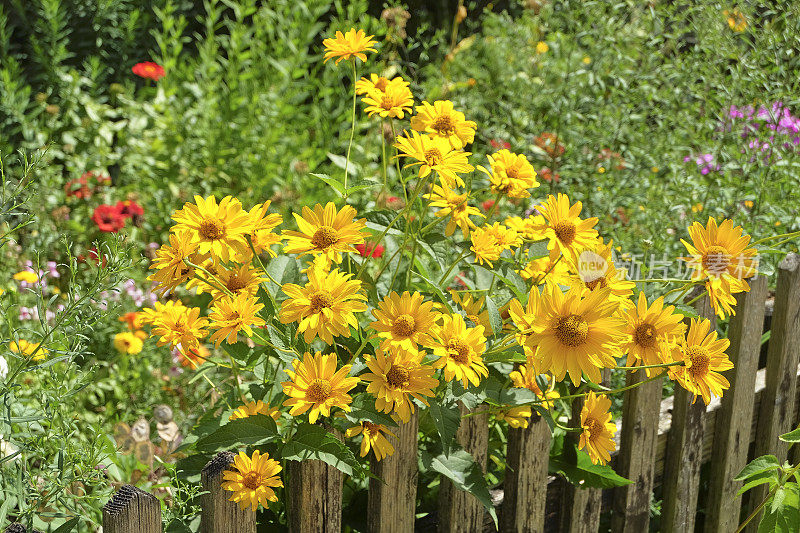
[85, 186]
[129, 208]
[94, 256]
[149, 70]
[108, 218]
[370, 250]
[497, 144]
[547, 175]
[487, 205]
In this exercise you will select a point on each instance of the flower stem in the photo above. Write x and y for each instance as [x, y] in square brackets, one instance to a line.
[352, 132]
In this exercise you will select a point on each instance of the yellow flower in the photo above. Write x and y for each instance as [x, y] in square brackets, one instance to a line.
[325, 232]
[473, 309]
[460, 350]
[351, 44]
[434, 153]
[516, 417]
[485, 246]
[454, 205]
[315, 384]
[373, 437]
[171, 270]
[377, 83]
[652, 331]
[28, 349]
[544, 269]
[586, 60]
[736, 20]
[397, 377]
[593, 267]
[524, 320]
[719, 254]
[748, 204]
[255, 408]
[530, 229]
[541, 47]
[325, 307]
[403, 321]
[598, 429]
[128, 342]
[231, 315]
[576, 332]
[696, 208]
[511, 174]
[441, 120]
[27, 276]
[219, 229]
[261, 235]
[704, 358]
[253, 480]
[176, 324]
[506, 238]
[525, 378]
[394, 102]
[564, 227]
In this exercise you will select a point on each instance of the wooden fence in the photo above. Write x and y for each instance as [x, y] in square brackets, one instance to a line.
[663, 444]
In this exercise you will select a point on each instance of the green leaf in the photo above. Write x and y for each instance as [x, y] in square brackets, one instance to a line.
[792, 436]
[283, 269]
[467, 475]
[363, 408]
[69, 525]
[252, 430]
[494, 315]
[239, 351]
[332, 183]
[446, 418]
[315, 442]
[770, 476]
[586, 474]
[758, 465]
[502, 395]
[777, 500]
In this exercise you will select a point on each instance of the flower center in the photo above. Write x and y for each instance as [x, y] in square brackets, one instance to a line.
[571, 330]
[459, 351]
[594, 427]
[404, 326]
[565, 231]
[319, 390]
[600, 282]
[324, 237]
[716, 259]
[397, 376]
[372, 429]
[512, 172]
[645, 335]
[320, 300]
[381, 84]
[235, 283]
[444, 125]
[252, 480]
[212, 229]
[387, 102]
[699, 361]
[433, 157]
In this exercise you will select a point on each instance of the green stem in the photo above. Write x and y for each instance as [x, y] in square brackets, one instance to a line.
[449, 270]
[352, 132]
[772, 492]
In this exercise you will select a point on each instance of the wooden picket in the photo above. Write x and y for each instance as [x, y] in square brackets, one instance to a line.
[662, 445]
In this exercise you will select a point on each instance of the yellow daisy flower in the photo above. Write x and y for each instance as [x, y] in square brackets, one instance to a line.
[652, 331]
[396, 377]
[237, 279]
[434, 153]
[378, 83]
[255, 408]
[524, 377]
[403, 321]
[704, 358]
[597, 437]
[516, 417]
[544, 269]
[262, 235]
[231, 315]
[219, 229]
[28, 349]
[253, 481]
[325, 232]
[351, 44]
[177, 325]
[325, 307]
[373, 438]
[525, 320]
[564, 227]
[454, 205]
[485, 246]
[441, 120]
[473, 309]
[315, 384]
[530, 229]
[171, 270]
[510, 174]
[593, 267]
[394, 102]
[576, 332]
[460, 350]
[128, 342]
[27, 276]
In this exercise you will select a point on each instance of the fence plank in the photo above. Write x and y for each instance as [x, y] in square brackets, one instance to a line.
[18, 528]
[219, 514]
[132, 510]
[391, 506]
[459, 511]
[735, 415]
[684, 453]
[777, 403]
[314, 496]
[525, 486]
[641, 407]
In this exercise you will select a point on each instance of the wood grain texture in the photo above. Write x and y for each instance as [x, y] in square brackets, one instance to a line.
[391, 506]
[219, 514]
[525, 485]
[314, 496]
[775, 416]
[132, 510]
[735, 415]
[640, 409]
[684, 453]
[459, 511]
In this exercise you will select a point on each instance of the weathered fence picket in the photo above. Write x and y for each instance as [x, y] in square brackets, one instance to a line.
[219, 514]
[132, 510]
